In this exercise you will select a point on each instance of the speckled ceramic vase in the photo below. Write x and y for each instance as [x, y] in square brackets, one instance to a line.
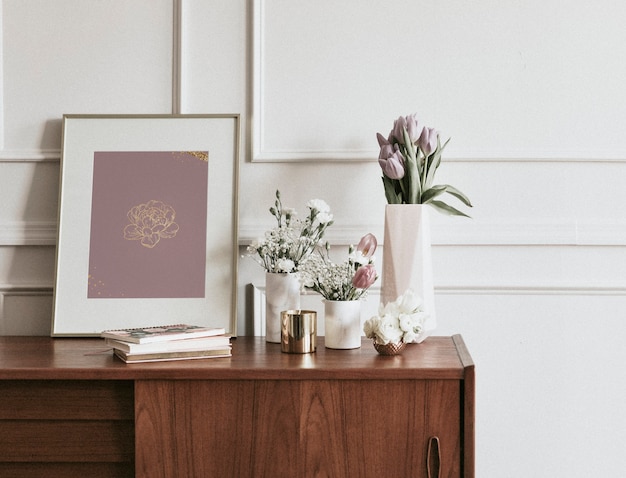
[282, 292]
[342, 324]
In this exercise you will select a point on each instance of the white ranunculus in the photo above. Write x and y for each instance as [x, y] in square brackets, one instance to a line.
[407, 322]
[390, 308]
[410, 337]
[371, 326]
[389, 330]
[400, 320]
[409, 302]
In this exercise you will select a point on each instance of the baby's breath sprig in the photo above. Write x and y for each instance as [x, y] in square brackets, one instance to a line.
[283, 248]
[348, 280]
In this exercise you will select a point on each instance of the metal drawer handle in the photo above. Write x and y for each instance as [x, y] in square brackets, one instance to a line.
[433, 460]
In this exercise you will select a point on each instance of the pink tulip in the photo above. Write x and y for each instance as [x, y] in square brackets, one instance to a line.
[428, 141]
[367, 245]
[390, 159]
[364, 276]
[397, 132]
[382, 141]
[413, 128]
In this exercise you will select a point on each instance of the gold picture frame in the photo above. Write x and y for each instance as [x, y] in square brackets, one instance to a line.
[211, 138]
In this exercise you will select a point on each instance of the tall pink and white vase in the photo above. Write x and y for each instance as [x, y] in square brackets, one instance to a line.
[407, 259]
[282, 292]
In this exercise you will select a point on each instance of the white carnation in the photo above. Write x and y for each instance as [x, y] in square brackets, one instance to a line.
[409, 302]
[324, 217]
[285, 265]
[319, 205]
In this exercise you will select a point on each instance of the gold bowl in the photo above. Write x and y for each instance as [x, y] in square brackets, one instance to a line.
[389, 349]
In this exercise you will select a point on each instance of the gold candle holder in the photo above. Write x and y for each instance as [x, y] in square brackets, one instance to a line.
[298, 331]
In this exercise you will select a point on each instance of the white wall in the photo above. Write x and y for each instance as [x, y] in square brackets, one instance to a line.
[530, 92]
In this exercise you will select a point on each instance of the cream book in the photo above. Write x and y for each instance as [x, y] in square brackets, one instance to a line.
[161, 333]
[201, 343]
[168, 356]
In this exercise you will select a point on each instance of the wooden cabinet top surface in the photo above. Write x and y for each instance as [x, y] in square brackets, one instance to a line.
[44, 358]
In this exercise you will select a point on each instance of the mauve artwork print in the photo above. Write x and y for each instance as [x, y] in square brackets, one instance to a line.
[148, 225]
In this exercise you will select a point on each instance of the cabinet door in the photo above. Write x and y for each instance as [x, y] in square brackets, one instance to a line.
[286, 428]
[380, 428]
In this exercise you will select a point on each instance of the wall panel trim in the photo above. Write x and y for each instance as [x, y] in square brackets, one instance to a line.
[25, 233]
[30, 155]
[467, 233]
[258, 295]
[259, 152]
[461, 232]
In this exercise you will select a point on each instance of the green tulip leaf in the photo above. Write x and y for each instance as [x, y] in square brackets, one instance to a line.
[457, 194]
[392, 195]
[446, 209]
[432, 193]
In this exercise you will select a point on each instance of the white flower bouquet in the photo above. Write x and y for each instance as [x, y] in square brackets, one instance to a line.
[398, 321]
[283, 248]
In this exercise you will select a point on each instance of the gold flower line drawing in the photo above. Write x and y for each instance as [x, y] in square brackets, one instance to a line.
[151, 222]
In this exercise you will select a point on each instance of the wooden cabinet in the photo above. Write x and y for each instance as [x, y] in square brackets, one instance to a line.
[65, 409]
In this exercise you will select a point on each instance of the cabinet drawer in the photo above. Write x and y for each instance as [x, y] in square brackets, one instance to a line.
[66, 428]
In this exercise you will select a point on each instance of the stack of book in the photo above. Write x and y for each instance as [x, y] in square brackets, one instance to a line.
[169, 342]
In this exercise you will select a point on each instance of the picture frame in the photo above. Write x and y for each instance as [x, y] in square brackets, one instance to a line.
[147, 231]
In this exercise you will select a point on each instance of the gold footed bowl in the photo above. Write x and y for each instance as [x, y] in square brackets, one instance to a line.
[390, 349]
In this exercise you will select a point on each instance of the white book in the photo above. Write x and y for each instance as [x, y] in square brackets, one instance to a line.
[201, 343]
[161, 333]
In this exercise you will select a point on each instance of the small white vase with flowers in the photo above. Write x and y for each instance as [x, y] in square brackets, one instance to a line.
[281, 252]
[342, 285]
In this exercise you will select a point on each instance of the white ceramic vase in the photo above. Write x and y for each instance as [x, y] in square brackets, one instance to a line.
[407, 260]
[342, 324]
[282, 292]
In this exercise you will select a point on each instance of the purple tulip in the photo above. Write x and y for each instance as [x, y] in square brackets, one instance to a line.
[428, 141]
[367, 245]
[364, 276]
[413, 128]
[390, 158]
[397, 132]
[382, 141]
[393, 164]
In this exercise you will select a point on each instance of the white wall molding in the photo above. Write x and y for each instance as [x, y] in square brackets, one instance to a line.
[38, 155]
[30, 155]
[470, 233]
[552, 232]
[264, 65]
[41, 233]
[177, 45]
[7, 290]
[538, 289]
[313, 301]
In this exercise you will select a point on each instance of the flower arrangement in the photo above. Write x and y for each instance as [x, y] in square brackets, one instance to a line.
[283, 248]
[349, 280]
[398, 321]
[409, 158]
